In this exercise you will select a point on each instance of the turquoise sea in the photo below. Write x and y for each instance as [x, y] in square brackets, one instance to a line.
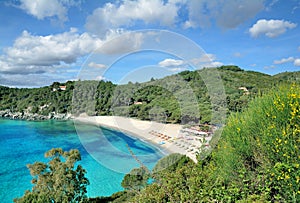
[104, 153]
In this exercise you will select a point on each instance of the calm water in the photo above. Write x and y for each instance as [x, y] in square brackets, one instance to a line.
[104, 153]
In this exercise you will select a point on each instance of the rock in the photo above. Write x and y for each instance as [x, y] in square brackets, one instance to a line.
[29, 116]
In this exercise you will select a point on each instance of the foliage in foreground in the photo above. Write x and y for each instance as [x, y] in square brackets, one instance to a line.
[256, 160]
[57, 181]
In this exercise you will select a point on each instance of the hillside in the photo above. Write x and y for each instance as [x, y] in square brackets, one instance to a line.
[256, 159]
[178, 98]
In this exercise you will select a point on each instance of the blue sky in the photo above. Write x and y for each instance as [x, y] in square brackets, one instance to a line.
[42, 41]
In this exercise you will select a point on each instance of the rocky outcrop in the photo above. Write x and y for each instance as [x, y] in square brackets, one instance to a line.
[30, 116]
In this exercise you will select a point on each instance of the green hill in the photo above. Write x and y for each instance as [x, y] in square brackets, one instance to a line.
[179, 98]
[256, 159]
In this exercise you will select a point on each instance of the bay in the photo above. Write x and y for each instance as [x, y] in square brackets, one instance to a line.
[104, 152]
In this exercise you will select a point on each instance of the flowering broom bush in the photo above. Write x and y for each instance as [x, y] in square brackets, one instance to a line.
[259, 148]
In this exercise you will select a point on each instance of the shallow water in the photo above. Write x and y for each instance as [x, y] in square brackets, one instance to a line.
[104, 153]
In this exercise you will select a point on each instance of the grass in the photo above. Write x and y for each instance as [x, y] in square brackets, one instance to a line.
[258, 153]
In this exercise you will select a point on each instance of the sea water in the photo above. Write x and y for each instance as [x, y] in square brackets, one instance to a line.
[105, 154]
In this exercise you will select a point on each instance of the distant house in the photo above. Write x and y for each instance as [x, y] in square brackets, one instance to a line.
[246, 91]
[54, 89]
[63, 88]
[138, 103]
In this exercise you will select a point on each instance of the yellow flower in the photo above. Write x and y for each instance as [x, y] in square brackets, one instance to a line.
[293, 95]
[297, 179]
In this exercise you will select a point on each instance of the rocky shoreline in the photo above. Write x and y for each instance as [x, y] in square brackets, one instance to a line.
[33, 117]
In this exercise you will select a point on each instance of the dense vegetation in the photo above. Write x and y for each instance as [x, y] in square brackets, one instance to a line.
[37, 100]
[57, 181]
[179, 98]
[256, 160]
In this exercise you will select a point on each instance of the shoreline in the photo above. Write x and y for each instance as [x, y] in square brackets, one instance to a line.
[165, 137]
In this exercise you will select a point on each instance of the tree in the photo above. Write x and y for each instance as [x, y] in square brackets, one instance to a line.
[136, 179]
[58, 180]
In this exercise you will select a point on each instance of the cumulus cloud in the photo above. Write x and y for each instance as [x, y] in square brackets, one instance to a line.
[45, 8]
[215, 64]
[170, 62]
[228, 14]
[36, 54]
[40, 55]
[297, 62]
[284, 60]
[127, 13]
[96, 65]
[41, 9]
[100, 77]
[112, 16]
[206, 60]
[177, 69]
[270, 28]
[121, 42]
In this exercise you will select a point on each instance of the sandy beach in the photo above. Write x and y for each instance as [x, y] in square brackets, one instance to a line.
[166, 137]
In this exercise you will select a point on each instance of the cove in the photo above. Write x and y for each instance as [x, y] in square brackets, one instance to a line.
[23, 142]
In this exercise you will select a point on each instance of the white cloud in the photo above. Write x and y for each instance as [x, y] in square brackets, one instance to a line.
[297, 62]
[118, 42]
[96, 65]
[38, 54]
[215, 64]
[177, 69]
[284, 60]
[204, 59]
[48, 8]
[170, 62]
[270, 28]
[45, 8]
[127, 13]
[227, 14]
[52, 54]
[112, 16]
[100, 77]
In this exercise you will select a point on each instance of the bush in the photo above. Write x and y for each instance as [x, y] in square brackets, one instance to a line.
[256, 159]
[259, 148]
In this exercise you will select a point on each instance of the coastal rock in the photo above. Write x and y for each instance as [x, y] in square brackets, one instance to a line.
[33, 117]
